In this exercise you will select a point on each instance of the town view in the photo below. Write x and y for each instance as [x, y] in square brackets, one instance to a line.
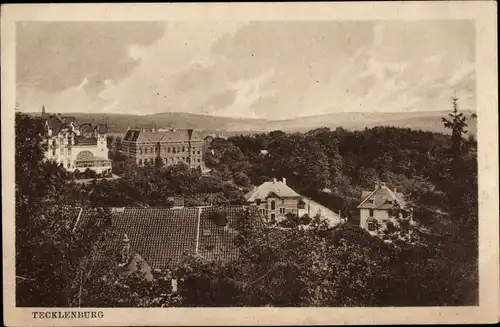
[137, 203]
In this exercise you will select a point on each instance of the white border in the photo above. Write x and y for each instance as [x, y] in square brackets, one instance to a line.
[482, 12]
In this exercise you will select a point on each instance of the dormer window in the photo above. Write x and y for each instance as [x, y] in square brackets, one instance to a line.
[257, 201]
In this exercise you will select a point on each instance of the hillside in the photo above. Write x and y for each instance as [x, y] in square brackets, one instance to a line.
[424, 120]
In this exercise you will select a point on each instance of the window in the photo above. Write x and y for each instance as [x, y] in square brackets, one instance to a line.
[68, 165]
[273, 205]
[140, 150]
[257, 201]
[146, 150]
[140, 162]
[198, 152]
[282, 201]
[183, 149]
[199, 160]
[53, 153]
[263, 211]
[282, 211]
[145, 161]
[273, 217]
[168, 149]
[371, 212]
[371, 226]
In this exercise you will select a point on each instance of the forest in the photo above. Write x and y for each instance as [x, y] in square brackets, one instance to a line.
[339, 266]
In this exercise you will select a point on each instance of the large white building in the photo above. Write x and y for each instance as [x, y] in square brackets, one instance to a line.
[77, 147]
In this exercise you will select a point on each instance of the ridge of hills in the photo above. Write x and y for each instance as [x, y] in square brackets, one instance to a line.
[421, 120]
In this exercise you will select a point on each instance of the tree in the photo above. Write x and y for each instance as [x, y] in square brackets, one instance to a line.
[48, 251]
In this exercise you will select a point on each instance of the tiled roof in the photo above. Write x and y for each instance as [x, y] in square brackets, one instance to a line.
[381, 198]
[277, 187]
[163, 237]
[217, 242]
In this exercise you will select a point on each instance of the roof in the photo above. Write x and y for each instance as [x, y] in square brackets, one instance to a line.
[137, 135]
[216, 243]
[381, 198]
[175, 135]
[55, 124]
[150, 136]
[277, 187]
[69, 120]
[131, 135]
[164, 236]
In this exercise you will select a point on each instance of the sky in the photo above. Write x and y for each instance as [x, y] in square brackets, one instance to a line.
[268, 70]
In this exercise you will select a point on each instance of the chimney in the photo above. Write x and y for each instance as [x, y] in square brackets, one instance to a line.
[395, 190]
[284, 180]
[125, 253]
[274, 180]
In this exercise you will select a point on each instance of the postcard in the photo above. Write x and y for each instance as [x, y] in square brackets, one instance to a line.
[250, 163]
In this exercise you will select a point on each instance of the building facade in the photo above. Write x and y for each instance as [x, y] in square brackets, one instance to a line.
[168, 147]
[275, 200]
[76, 147]
[377, 207]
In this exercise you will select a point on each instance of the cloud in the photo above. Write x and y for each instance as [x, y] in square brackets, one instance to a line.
[54, 56]
[273, 70]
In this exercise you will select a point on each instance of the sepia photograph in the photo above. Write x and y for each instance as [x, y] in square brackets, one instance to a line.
[246, 163]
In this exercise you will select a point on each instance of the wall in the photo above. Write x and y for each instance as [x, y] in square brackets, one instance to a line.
[290, 205]
[380, 215]
[66, 151]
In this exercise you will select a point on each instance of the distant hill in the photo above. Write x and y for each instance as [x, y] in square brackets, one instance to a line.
[424, 120]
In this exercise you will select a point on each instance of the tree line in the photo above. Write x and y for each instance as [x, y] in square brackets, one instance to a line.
[319, 266]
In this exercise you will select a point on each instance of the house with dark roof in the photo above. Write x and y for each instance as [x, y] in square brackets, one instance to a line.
[163, 237]
[169, 147]
[377, 206]
[274, 199]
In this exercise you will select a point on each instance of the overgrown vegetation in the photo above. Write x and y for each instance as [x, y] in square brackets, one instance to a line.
[292, 266]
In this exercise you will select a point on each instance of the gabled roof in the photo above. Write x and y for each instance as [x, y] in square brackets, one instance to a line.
[55, 124]
[132, 135]
[277, 187]
[381, 198]
[164, 236]
[70, 119]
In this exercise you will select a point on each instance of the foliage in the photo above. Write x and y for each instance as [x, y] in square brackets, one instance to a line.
[299, 262]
